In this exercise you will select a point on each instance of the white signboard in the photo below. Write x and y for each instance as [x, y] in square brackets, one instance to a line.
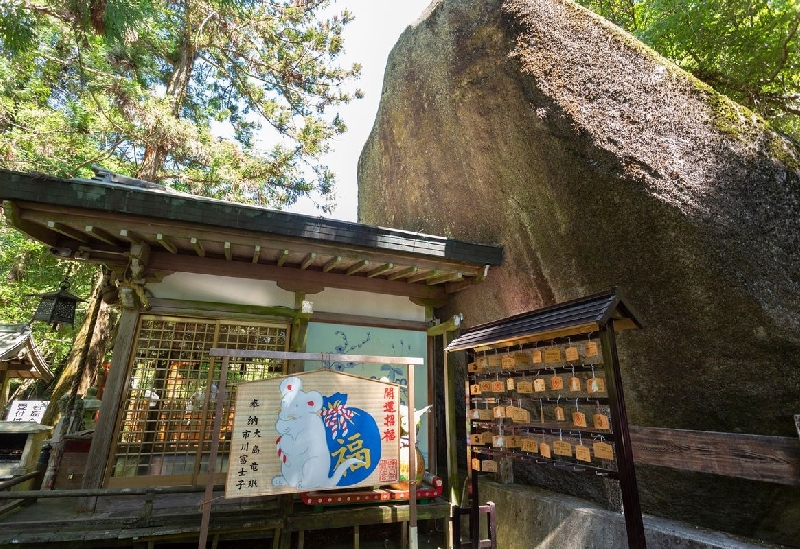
[27, 410]
[321, 430]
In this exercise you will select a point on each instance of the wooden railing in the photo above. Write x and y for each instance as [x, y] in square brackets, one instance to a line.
[753, 457]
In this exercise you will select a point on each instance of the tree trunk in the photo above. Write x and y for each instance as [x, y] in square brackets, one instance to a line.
[87, 353]
[156, 153]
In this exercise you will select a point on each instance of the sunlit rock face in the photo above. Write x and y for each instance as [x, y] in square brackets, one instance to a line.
[595, 163]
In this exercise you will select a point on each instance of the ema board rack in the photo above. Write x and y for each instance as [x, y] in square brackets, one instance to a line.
[545, 387]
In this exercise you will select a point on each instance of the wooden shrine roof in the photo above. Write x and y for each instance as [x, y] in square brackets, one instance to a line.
[580, 316]
[19, 355]
[99, 220]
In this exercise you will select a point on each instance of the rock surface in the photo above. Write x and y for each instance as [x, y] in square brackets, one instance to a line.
[594, 162]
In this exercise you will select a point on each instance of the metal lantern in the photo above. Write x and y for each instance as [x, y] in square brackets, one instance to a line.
[57, 307]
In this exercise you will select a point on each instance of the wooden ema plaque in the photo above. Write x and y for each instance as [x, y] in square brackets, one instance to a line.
[524, 387]
[562, 448]
[321, 430]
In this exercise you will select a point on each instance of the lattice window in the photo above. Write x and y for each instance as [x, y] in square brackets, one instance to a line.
[164, 429]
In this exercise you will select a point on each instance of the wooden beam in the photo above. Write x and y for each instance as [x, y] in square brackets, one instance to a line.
[102, 235]
[330, 265]
[291, 278]
[282, 257]
[360, 320]
[449, 277]
[404, 273]
[256, 253]
[309, 259]
[67, 231]
[754, 457]
[423, 276]
[228, 253]
[361, 265]
[198, 247]
[448, 325]
[325, 357]
[214, 309]
[168, 244]
[382, 269]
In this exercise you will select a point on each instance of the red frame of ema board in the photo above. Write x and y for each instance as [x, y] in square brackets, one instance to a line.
[431, 487]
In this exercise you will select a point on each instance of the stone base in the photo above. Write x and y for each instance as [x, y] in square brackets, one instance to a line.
[530, 517]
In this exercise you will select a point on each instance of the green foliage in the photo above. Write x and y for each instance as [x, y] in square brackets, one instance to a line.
[146, 88]
[745, 49]
[27, 268]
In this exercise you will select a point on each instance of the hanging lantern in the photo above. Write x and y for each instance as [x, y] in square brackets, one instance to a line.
[57, 307]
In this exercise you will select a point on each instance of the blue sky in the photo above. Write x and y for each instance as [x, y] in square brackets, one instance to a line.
[368, 40]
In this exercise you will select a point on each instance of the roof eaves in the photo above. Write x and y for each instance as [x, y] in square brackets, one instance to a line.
[145, 200]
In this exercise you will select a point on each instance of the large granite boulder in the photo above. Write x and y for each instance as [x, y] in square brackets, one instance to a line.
[594, 162]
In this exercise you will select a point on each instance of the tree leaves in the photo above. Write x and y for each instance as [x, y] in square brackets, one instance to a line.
[28, 268]
[191, 94]
[746, 49]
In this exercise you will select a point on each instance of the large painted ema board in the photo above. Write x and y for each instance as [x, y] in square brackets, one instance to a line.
[321, 430]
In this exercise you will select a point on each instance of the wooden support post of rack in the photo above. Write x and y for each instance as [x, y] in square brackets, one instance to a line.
[622, 439]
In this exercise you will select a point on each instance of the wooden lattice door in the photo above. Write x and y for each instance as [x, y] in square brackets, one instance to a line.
[163, 431]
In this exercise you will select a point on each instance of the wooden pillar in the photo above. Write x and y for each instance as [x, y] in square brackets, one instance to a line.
[453, 479]
[124, 344]
[622, 439]
[297, 337]
[447, 331]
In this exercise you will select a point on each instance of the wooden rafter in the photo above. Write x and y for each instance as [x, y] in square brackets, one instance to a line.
[130, 236]
[330, 265]
[102, 235]
[67, 231]
[448, 277]
[307, 261]
[361, 265]
[168, 244]
[402, 273]
[380, 270]
[198, 246]
[282, 256]
[164, 262]
[423, 276]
